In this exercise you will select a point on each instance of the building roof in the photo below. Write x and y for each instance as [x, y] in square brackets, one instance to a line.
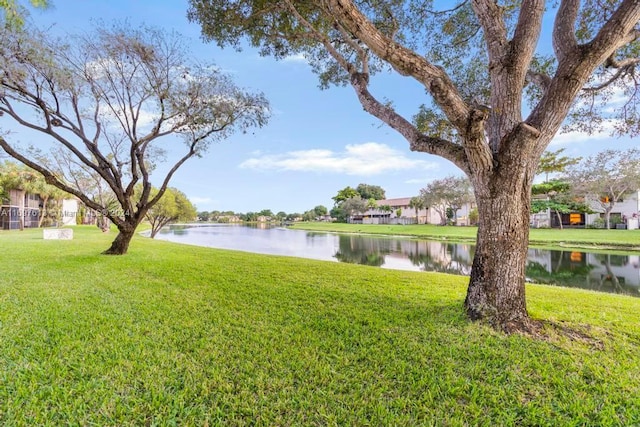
[402, 201]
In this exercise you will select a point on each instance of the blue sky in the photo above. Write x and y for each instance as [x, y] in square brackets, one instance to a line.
[317, 141]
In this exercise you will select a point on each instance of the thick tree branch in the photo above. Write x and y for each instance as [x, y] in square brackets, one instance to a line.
[564, 31]
[539, 79]
[495, 32]
[478, 153]
[616, 31]
[509, 62]
[404, 60]
[525, 36]
[576, 67]
[417, 140]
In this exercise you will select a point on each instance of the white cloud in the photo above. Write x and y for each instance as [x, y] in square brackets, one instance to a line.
[578, 136]
[415, 181]
[298, 57]
[370, 158]
[201, 200]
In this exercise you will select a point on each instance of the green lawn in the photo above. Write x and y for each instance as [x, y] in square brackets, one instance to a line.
[629, 239]
[181, 335]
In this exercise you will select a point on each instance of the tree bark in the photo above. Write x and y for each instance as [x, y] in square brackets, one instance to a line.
[155, 228]
[44, 211]
[121, 243]
[559, 216]
[496, 290]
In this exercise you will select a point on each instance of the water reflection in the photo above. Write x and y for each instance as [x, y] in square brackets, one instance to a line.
[354, 250]
[602, 272]
[442, 257]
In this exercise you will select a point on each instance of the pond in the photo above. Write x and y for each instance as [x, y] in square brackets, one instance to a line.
[596, 271]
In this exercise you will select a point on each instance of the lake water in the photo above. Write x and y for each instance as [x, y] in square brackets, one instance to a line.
[570, 268]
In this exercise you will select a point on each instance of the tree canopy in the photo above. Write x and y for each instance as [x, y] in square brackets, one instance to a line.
[107, 103]
[173, 206]
[555, 162]
[354, 205]
[320, 210]
[344, 194]
[367, 192]
[449, 193]
[12, 12]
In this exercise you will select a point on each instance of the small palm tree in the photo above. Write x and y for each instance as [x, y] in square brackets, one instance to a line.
[416, 203]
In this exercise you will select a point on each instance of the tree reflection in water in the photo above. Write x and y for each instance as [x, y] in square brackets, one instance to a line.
[600, 272]
[356, 250]
[442, 257]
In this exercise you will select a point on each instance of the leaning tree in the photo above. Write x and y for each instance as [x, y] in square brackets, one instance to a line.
[113, 105]
[477, 62]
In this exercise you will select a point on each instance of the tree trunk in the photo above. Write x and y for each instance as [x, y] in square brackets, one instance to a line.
[121, 243]
[44, 211]
[559, 219]
[496, 292]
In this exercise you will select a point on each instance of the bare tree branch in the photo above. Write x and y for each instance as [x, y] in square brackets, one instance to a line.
[623, 68]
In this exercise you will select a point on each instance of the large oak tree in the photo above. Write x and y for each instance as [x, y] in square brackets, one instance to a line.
[476, 60]
[114, 104]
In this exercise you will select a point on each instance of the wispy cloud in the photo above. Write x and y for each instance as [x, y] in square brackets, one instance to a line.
[203, 202]
[415, 181]
[576, 137]
[298, 57]
[201, 199]
[370, 158]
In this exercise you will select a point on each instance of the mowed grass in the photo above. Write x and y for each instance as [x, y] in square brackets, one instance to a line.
[568, 237]
[180, 335]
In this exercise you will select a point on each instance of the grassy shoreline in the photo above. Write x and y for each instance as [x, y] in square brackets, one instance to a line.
[628, 240]
[176, 334]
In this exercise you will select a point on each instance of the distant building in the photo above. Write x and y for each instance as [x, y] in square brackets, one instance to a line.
[625, 212]
[407, 214]
[20, 210]
[25, 210]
